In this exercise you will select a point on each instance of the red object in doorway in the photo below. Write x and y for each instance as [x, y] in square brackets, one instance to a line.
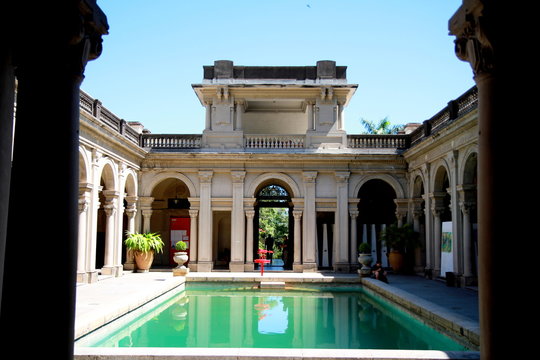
[179, 230]
[262, 259]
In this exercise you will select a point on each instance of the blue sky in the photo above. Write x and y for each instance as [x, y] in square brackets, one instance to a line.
[397, 51]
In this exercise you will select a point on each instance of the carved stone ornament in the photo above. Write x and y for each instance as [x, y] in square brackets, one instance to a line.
[472, 43]
[77, 26]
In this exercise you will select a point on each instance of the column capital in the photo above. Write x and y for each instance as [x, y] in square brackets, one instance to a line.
[146, 202]
[147, 212]
[309, 176]
[110, 194]
[85, 187]
[205, 176]
[83, 204]
[193, 213]
[82, 22]
[238, 176]
[130, 199]
[402, 206]
[473, 31]
[250, 213]
[354, 213]
[297, 214]
[110, 207]
[342, 176]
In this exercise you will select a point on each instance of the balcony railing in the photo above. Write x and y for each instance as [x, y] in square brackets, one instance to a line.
[93, 107]
[378, 141]
[171, 141]
[455, 109]
[274, 141]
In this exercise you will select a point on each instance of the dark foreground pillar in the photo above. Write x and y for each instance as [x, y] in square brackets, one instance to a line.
[484, 39]
[51, 44]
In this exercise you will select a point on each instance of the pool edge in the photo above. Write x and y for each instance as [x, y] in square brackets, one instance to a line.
[82, 353]
[463, 329]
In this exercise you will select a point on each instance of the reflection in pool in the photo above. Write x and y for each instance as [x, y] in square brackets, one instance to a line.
[311, 318]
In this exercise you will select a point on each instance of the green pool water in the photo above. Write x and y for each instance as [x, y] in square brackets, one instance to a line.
[240, 316]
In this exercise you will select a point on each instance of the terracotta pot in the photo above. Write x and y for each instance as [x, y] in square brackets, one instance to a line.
[144, 260]
[396, 260]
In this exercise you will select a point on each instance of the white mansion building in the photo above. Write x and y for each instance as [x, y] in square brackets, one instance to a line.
[283, 128]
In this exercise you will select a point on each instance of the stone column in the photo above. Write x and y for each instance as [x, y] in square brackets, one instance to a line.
[437, 208]
[131, 211]
[250, 215]
[341, 230]
[84, 200]
[193, 240]
[110, 207]
[94, 206]
[145, 205]
[7, 101]
[417, 215]
[401, 210]
[50, 65]
[467, 204]
[353, 213]
[205, 262]
[482, 39]
[310, 225]
[297, 264]
[237, 222]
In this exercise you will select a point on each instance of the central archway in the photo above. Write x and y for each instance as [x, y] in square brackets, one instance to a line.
[274, 224]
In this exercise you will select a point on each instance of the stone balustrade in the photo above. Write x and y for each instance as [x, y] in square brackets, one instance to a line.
[274, 141]
[171, 141]
[378, 141]
[455, 109]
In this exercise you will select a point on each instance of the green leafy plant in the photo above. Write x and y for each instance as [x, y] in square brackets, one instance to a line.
[144, 242]
[180, 246]
[364, 248]
[400, 239]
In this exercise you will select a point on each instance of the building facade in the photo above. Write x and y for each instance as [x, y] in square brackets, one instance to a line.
[274, 138]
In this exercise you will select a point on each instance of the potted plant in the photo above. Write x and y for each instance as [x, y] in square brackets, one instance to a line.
[180, 257]
[143, 247]
[364, 258]
[400, 241]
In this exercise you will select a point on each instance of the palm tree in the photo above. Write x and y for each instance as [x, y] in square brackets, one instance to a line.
[383, 127]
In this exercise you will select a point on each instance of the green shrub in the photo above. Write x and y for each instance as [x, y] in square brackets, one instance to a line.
[144, 242]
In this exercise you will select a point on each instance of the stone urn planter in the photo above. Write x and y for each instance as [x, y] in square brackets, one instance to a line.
[365, 259]
[180, 257]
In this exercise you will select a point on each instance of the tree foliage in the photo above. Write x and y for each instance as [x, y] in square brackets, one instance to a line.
[383, 127]
[273, 222]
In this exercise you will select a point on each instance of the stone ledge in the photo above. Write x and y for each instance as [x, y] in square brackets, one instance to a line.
[267, 354]
[463, 329]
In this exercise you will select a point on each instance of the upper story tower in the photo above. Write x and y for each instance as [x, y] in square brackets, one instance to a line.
[247, 102]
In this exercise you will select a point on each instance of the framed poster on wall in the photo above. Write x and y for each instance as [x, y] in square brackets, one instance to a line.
[447, 255]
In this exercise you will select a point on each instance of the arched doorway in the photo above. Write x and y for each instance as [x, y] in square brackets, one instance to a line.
[106, 220]
[274, 222]
[170, 217]
[376, 210]
[443, 237]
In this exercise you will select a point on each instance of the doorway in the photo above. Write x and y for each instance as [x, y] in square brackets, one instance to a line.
[274, 230]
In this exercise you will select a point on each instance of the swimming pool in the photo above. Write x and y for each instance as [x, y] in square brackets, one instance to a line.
[240, 316]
